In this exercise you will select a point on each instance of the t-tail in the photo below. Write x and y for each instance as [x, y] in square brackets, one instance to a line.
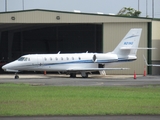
[127, 48]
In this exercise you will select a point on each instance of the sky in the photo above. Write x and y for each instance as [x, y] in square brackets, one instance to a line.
[85, 6]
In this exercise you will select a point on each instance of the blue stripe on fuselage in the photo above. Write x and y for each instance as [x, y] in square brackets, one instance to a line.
[85, 61]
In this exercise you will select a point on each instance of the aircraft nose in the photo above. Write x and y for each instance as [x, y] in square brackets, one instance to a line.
[4, 67]
[9, 67]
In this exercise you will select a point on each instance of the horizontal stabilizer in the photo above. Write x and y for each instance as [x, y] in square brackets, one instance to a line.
[131, 48]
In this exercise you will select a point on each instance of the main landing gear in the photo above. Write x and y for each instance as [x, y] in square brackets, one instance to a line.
[83, 74]
[16, 76]
[73, 75]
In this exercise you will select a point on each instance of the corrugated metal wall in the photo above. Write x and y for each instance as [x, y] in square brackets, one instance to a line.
[156, 40]
[113, 33]
[156, 44]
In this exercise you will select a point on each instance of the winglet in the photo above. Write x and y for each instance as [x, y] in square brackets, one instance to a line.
[132, 48]
[150, 64]
[145, 60]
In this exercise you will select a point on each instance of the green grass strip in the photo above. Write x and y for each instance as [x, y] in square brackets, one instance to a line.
[26, 100]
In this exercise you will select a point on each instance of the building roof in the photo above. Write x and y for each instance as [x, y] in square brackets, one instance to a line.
[39, 16]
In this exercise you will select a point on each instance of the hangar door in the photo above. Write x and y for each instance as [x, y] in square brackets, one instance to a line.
[44, 38]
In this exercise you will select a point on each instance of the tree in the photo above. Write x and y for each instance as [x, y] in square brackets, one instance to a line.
[129, 12]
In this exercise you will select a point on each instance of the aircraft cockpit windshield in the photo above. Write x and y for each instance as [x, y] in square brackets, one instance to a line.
[24, 59]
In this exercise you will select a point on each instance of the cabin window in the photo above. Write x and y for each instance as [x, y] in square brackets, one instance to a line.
[72, 58]
[61, 58]
[56, 58]
[67, 58]
[51, 59]
[79, 58]
[45, 59]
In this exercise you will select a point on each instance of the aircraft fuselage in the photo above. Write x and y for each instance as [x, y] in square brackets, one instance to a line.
[59, 62]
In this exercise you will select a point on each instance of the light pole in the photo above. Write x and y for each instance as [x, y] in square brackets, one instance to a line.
[146, 8]
[5, 5]
[23, 4]
[152, 8]
[138, 5]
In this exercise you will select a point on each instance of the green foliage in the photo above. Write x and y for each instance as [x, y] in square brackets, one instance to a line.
[129, 12]
[25, 100]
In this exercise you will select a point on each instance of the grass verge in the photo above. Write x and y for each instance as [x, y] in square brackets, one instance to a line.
[26, 100]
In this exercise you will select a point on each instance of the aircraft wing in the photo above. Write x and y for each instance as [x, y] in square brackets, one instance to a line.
[150, 64]
[94, 69]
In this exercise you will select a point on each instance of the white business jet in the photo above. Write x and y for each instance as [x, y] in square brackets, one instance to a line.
[82, 63]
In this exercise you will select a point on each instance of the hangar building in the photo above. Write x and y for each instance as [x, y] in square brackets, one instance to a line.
[44, 31]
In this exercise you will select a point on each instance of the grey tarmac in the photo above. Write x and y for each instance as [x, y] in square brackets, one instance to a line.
[93, 80]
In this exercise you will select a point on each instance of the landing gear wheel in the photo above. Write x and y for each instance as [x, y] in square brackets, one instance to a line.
[16, 76]
[84, 74]
[73, 75]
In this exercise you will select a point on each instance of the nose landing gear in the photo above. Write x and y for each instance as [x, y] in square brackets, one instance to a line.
[16, 76]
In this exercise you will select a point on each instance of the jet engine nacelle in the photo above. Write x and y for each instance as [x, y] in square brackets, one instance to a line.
[105, 58]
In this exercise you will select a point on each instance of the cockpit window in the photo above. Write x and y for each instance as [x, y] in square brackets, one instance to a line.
[24, 59]
[21, 58]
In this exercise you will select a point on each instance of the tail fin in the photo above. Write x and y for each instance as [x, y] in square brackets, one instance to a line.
[129, 44]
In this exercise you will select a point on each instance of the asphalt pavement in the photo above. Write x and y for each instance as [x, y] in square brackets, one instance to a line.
[93, 80]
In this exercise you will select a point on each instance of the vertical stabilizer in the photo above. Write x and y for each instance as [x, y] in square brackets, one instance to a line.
[129, 44]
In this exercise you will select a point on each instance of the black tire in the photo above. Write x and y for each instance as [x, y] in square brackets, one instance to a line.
[16, 77]
[86, 76]
[73, 75]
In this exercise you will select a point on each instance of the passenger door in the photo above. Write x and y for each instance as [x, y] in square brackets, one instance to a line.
[39, 61]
